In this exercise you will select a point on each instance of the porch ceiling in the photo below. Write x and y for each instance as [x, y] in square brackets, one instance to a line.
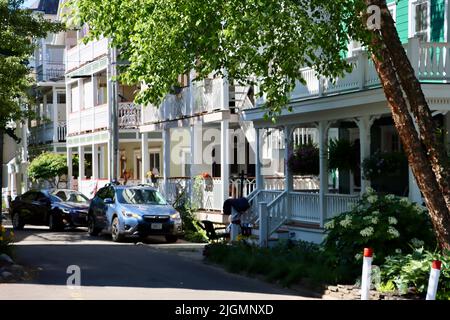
[346, 106]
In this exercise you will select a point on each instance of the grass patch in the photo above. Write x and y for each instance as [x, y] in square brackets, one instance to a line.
[287, 264]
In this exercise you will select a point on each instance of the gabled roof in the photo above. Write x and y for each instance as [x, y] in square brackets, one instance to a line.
[46, 6]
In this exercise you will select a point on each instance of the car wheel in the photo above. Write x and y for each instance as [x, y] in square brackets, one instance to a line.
[171, 238]
[17, 221]
[115, 230]
[54, 224]
[92, 229]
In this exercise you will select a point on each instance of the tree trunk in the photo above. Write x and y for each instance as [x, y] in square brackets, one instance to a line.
[415, 151]
[419, 107]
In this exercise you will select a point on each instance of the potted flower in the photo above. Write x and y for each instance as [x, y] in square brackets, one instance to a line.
[208, 181]
[304, 160]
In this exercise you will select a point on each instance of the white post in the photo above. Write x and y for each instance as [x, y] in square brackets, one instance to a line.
[263, 225]
[110, 153]
[55, 115]
[224, 163]
[166, 157]
[25, 154]
[80, 164]
[102, 167]
[413, 53]
[69, 167]
[288, 186]
[414, 191]
[145, 156]
[94, 89]
[364, 124]
[366, 273]
[323, 151]
[258, 175]
[95, 169]
[433, 280]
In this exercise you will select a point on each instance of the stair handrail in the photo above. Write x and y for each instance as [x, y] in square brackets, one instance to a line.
[281, 197]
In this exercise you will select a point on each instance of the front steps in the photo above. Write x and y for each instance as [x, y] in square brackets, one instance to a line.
[296, 231]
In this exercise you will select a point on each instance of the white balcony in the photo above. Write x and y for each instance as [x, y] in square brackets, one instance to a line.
[431, 62]
[88, 120]
[45, 133]
[85, 53]
[96, 118]
[207, 96]
[174, 106]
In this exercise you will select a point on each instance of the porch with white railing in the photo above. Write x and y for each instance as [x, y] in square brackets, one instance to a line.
[129, 115]
[430, 60]
[89, 119]
[201, 97]
[45, 133]
[96, 118]
[174, 106]
[84, 53]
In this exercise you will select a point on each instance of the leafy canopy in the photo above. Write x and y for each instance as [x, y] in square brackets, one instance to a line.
[18, 28]
[47, 166]
[264, 41]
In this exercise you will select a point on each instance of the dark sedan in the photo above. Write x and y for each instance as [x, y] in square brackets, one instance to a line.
[57, 209]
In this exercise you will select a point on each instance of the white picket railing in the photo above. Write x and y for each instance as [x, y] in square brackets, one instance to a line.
[61, 131]
[248, 186]
[277, 212]
[431, 60]
[129, 115]
[305, 206]
[339, 203]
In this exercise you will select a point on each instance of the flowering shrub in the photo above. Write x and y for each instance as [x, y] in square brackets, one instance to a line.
[382, 164]
[304, 160]
[384, 223]
[6, 240]
[410, 272]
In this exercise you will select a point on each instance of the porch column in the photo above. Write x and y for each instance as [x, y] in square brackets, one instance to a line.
[224, 163]
[81, 172]
[69, 167]
[55, 115]
[364, 124]
[102, 172]
[145, 165]
[258, 175]
[323, 156]
[94, 89]
[288, 183]
[166, 159]
[95, 169]
[110, 153]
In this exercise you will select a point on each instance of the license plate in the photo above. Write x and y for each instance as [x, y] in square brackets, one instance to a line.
[157, 226]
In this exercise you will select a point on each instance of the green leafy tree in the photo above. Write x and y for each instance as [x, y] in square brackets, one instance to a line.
[48, 166]
[267, 42]
[19, 28]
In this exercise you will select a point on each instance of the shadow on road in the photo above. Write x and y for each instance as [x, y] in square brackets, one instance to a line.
[107, 264]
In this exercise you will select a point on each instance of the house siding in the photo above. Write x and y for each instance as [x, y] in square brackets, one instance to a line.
[402, 20]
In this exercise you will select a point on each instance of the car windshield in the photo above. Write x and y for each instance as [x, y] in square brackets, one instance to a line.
[140, 196]
[76, 197]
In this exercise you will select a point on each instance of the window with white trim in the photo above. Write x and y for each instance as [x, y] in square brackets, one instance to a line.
[420, 22]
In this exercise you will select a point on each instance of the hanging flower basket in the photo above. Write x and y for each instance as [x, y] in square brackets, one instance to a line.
[304, 160]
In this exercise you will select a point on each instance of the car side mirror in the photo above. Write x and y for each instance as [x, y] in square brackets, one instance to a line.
[108, 201]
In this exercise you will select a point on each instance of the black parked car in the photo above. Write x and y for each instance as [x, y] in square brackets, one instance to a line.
[57, 209]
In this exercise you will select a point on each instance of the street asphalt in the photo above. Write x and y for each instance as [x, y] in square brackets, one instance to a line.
[152, 270]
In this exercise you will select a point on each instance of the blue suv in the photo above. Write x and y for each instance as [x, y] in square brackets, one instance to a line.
[137, 211]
